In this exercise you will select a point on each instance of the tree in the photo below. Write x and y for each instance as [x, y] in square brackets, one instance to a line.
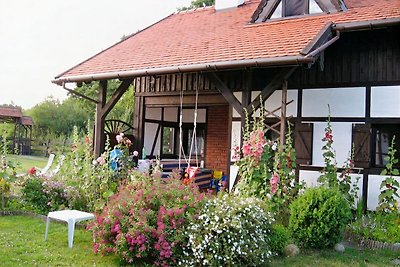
[53, 117]
[197, 4]
[123, 110]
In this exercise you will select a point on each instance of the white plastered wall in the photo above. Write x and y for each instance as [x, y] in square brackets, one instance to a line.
[310, 178]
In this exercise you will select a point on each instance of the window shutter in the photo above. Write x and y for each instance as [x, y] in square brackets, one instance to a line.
[361, 141]
[303, 143]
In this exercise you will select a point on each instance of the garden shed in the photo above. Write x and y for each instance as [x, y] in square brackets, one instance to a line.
[213, 65]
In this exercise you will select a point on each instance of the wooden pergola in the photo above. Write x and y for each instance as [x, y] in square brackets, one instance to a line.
[22, 136]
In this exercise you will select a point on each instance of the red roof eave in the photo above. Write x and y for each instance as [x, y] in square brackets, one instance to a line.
[221, 65]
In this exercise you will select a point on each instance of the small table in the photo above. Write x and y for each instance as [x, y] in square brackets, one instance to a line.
[69, 216]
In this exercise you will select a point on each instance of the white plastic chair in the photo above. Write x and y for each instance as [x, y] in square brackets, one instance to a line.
[47, 167]
[58, 166]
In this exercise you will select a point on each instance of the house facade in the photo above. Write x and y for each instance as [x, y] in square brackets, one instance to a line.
[197, 71]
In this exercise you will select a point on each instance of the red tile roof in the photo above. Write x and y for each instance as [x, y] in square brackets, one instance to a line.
[27, 120]
[10, 112]
[204, 36]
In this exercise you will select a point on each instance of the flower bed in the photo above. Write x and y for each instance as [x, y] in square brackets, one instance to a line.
[370, 243]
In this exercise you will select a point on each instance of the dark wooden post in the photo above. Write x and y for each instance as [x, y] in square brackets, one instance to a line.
[283, 116]
[100, 119]
[138, 122]
[246, 100]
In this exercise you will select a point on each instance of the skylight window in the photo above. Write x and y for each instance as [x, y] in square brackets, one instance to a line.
[314, 8]
[278, 12]
[272, 9]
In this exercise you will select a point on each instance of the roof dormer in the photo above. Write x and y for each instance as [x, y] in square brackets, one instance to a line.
[272, 9]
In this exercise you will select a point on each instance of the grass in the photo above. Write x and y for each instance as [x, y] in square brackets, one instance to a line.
[351, 257]
[27, 162]
[22, 244]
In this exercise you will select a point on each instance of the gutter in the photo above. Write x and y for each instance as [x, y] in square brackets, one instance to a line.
[354, 26]
[324, 46]
[366, 25]
[222, 65]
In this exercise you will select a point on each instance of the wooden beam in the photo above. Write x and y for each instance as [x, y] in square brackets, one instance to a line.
[138, 124]
[275, 83]
[116, 96]
[283, 116]
[246, 99]
[226, 92]
[208, 100]
[100, 119]
[80, 95]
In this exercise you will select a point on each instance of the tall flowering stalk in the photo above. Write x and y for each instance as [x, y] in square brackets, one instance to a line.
[287, 185]
[328, 174]
[346, 186]
[266, 173]
[256, 159]
[389, 186]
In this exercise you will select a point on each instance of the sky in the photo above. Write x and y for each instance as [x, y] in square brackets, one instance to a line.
[40, 39]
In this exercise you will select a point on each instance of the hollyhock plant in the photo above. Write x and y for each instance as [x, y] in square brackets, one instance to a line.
[266, 171]
[274, 182]
[32, 171]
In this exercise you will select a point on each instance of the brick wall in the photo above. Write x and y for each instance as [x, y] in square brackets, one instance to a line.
[218, 138]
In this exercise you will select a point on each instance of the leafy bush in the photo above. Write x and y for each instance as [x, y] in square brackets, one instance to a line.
[279, 238]
[231, 231]
[145, 220]
[33, 196]
[318, 217]
[44, 195]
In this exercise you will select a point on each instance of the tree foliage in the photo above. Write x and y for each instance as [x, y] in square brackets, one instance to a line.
[123, 110]
[197, 4]
[54, 117]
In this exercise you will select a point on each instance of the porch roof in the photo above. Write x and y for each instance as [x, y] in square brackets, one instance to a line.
[10, 112]
[26, 120]
[203, 39]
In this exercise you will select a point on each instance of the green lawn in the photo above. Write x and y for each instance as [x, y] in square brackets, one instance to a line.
[22, 244]
[351, 257]
[27, 162]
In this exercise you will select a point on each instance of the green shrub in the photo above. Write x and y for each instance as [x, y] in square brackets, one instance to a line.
[145, 221]
[44, 195]
[318, 218]
[279, 239]
[230, 231]
[33, 196]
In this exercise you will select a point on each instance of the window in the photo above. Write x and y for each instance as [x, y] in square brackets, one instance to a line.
[270, 9]
[168, 141]
[383, 135]
[194, 145]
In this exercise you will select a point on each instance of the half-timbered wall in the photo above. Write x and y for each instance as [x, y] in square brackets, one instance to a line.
[358, 76]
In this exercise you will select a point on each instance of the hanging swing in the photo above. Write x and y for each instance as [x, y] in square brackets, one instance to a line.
[192, 174]
[193, 140]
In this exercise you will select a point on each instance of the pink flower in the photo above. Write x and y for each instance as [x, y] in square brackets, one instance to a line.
[274, 182]
[128, 142]
[119, 138]
[101, 160]
[135, 153]
[32, 171]
[246, 149]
